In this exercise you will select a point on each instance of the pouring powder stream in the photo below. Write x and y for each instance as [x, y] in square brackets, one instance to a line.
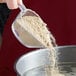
[38, 28]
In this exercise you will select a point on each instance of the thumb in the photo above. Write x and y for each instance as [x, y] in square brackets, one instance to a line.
[12, 4]
[19, 2]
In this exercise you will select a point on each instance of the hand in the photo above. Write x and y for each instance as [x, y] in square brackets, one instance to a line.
[12, 4]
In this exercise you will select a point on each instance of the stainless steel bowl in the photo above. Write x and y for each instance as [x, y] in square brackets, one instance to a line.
[37, 60]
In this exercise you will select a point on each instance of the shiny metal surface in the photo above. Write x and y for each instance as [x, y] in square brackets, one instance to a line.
[29, 40]
[40, 57]
[22, 34]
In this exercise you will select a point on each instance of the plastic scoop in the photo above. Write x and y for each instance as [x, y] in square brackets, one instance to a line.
[22, 35]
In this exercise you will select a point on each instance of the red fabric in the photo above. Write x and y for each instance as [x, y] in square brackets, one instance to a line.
[60, 15]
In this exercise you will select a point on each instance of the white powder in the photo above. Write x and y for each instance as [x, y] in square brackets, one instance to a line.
[39, 30]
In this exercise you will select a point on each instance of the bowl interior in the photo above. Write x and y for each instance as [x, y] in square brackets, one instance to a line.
[66, 55]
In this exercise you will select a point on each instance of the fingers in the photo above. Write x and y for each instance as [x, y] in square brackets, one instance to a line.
[2, 1]
[19, 2]
[12, 4]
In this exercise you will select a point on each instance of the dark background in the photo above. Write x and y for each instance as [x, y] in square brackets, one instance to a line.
[4, 14]
[60, 15]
